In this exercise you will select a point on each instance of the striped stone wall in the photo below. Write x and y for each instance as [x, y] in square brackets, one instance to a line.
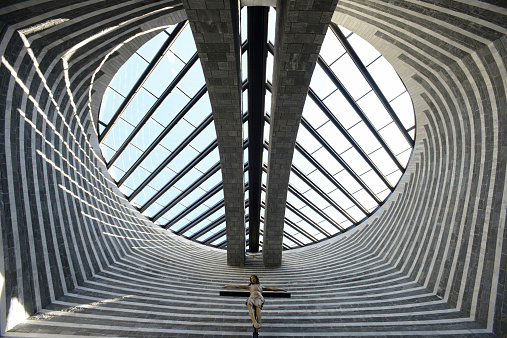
[446, 231]
[430, 262]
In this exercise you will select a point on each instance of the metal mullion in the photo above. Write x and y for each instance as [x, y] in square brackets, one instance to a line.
[221, 245]
[301, 230]
[172, 155]
[291, 237]
[330, 177]
[163, 134]
[208, 228]
[359, 111]
[312, 206]
[213, 170]
[153, 109]
[215, 237]
[194, 205]
[294, 239]
[366, 74]
[307, 219]
[201, 217]
[140, 81]
[257, 41]
[338, 158]
[352, 141]
[319, 191]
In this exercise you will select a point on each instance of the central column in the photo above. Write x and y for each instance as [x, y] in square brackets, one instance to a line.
[301, 26]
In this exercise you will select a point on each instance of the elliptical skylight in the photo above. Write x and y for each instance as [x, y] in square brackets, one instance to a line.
[158, 139]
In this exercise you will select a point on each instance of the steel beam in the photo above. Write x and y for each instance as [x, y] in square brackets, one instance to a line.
[137, 86]
[353, 55]
[257, 54]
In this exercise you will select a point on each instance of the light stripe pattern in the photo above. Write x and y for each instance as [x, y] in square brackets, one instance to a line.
[78, 259]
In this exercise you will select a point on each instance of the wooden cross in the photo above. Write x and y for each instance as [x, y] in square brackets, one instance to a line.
[246, 294]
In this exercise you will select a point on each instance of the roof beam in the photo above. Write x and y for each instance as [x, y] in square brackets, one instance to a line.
[300, 30]
[219, 48]
[257, 54]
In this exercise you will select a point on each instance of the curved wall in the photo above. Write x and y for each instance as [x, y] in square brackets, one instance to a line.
[76, 252]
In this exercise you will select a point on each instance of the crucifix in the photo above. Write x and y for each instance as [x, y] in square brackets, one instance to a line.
[255, 298]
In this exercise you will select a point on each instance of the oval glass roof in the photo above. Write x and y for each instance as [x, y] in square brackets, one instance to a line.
[158, 138]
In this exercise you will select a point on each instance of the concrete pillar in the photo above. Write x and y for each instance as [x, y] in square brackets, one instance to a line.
[300, 30]
[216, 29]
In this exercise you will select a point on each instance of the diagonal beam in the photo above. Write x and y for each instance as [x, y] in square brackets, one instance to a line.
[137, 86]
[353, 55]
[300, 30]
[216, 29]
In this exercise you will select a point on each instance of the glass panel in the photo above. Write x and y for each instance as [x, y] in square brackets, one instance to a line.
[355, 161]
[183, 158]
[302, 163]
[129, 156]
[199, 111]
[271, 25]
[331, 48]
[179, 133]
[244, 68]
[341, 109]
[150, 48]
[118, 134]
[147, 134]
[322, 182]
[386, 78]
[364, 138]
[307, 141]
[193, 80]
[184, 46]
[163, 74]
[383, 161]
[366, 52]
[374, 110]
[110, 104]
[313, 114]
[204, 138]
[350, 77]
[170, 107]
[128, 74]
[402, 106]
[327, 161]
[394, 139]
[334, 138]
[321, 83]
[140, 104]
[269, 68]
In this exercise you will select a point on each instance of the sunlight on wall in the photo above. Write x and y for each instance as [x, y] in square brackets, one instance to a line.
[16, 314]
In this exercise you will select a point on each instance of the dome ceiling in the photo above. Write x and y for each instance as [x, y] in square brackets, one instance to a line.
[158, 138]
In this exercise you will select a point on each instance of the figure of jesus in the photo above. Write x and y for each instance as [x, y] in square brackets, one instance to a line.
[256, 300]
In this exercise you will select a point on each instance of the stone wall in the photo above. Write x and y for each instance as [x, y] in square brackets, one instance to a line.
[431, 257]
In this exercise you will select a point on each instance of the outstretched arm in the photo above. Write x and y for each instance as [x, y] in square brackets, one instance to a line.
[273, 289]
[237, 286]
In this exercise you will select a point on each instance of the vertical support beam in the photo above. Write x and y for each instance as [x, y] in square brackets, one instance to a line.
[257, 54]
[301, 26]
[216, 28]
